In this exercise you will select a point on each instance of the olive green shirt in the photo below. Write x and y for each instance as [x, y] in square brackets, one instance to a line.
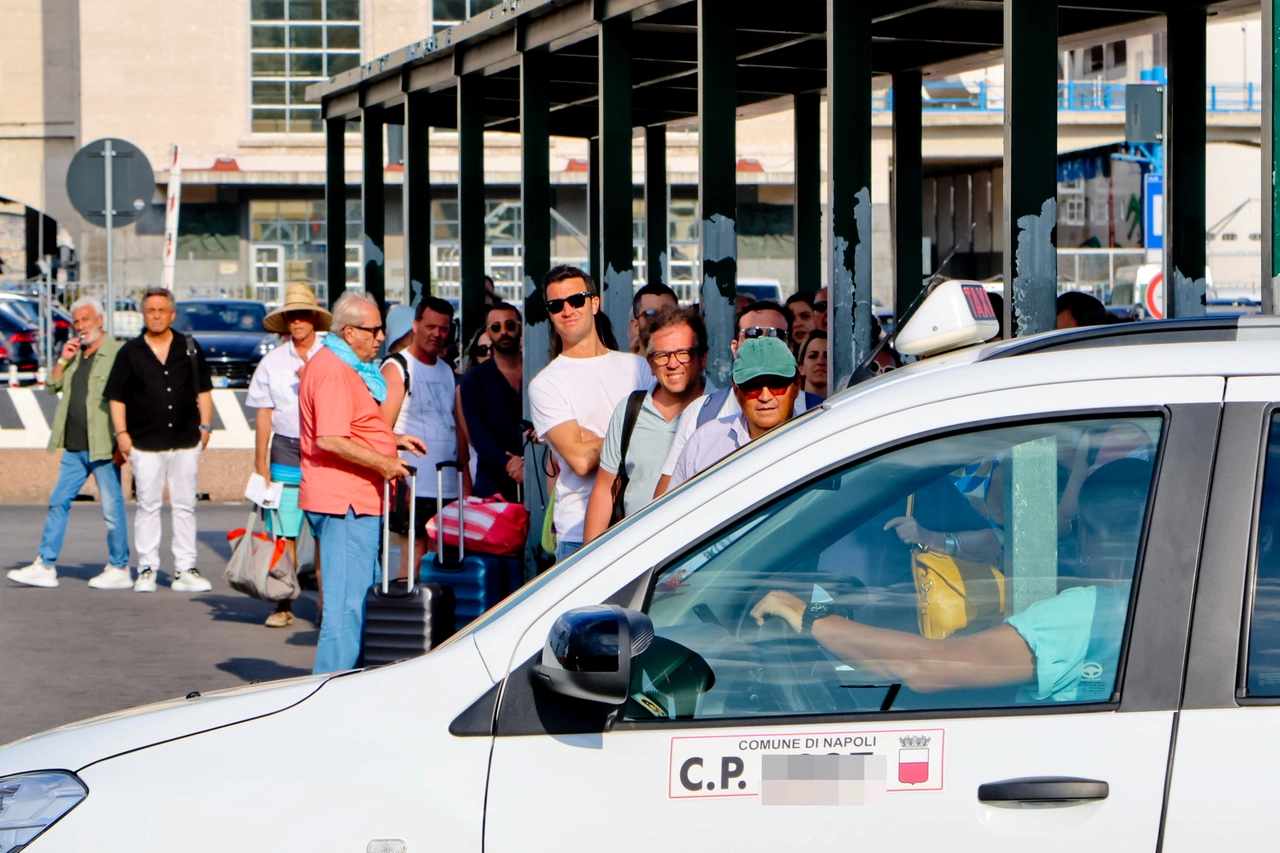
[102, 443]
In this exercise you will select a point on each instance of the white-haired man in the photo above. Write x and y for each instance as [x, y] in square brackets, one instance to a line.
[82, 429]
[348, 452]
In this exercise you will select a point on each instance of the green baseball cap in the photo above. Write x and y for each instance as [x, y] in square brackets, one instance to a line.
[763, 357]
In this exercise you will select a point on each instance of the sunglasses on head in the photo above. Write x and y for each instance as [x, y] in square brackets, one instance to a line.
[820, 307]
[577, 300]
[763, 332]
[777, 385]
[509, 325]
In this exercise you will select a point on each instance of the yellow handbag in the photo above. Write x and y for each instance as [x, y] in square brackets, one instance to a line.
[954, 594]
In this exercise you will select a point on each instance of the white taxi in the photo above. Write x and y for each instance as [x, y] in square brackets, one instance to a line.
[1024, 596]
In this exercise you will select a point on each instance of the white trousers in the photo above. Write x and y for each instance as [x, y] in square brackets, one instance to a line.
[151, 470]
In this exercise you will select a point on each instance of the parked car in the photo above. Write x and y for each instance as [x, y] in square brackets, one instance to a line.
[761, 288]
[27, 309]
[18, 344]
[230, 333]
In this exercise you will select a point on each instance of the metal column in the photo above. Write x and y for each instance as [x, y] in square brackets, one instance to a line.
[908, 191]
[1030, 166]
[535, 201]
[655, 203]
[471, 203]
[718, 180]
[335, 209]
[374, 207]
[616, 249]
[849, 189]
[1185, 139]
[593, 209]
[808, 203]
[1270, 162]
[417, 196]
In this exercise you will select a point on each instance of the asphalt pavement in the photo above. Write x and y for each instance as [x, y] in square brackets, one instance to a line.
[74, 652]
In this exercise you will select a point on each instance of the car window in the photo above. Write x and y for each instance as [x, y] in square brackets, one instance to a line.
[1263, 671]
[988, 569]
[212, 317]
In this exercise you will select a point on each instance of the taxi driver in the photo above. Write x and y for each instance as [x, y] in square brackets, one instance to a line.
[1045, 647]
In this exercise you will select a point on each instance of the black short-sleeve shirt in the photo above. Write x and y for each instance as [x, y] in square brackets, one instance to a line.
[159, 399]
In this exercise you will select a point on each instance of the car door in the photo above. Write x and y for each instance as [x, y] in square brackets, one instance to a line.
[1223, 782]
[743, 733]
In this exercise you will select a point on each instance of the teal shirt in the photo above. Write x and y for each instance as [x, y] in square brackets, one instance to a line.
[648, 450]
[1075, 637]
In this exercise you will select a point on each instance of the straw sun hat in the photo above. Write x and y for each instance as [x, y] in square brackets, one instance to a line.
[298, 297]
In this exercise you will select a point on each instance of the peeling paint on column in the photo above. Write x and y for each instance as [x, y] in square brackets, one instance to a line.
[1188, 295]
[416, 292]
[1035, 281]
[662, 264]
[719, 280]
[615, 297]
[862, 279]
[372, 251]
[840, 346]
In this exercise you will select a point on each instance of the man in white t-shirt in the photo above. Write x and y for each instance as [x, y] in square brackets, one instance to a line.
[420, 402]
[758, 320]
[573, 397]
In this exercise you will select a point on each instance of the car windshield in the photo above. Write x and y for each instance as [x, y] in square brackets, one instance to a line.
[219, 317]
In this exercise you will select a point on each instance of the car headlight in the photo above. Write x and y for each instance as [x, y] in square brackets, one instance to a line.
[267, 345]
[30, 803]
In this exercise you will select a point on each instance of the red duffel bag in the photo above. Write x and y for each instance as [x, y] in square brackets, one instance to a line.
[490, 526]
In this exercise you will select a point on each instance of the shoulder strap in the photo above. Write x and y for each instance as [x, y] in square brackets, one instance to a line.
[711, 406]
[634, 404]
[398, 358]
[195, 363]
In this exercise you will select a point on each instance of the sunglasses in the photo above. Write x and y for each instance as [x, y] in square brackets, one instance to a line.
[820, 307]
[763, 332]
[663, 356]
[650, 313]
[373, 330]
[481, 350]
[509, 325]
[577, 300]
[755, 387]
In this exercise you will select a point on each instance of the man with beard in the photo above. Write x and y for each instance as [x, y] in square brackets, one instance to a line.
[82, 428]
[492, 407]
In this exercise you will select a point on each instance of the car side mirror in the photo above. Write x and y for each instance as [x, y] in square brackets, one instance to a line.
[590, 650]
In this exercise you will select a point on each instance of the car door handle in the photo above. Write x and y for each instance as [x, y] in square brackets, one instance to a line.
[1043, 789]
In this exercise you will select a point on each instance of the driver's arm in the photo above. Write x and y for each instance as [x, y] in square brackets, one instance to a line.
[991, 658]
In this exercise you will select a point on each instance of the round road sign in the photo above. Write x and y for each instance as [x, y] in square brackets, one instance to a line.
[1153, 298]
[132, 182]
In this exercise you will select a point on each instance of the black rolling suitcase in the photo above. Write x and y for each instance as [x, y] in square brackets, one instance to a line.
[403, 619]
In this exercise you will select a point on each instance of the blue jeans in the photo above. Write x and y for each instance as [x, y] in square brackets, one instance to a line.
[565, 550]
[75, 469]
[350, 546]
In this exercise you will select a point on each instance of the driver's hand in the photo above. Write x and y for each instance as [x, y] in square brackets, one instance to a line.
[781, 604]
[908, 529]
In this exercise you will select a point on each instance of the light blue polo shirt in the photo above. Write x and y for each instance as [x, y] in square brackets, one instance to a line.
[650, 442]
[1075, 637]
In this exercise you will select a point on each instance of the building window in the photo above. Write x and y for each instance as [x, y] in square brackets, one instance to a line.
[289, 242]
[449, 13]
[294, 43]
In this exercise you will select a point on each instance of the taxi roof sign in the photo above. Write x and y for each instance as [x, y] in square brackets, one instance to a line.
[956, 314]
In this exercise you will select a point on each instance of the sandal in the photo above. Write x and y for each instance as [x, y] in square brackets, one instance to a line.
[279, 619]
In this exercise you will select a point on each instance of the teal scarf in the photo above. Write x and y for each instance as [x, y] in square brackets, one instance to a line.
[367, 370]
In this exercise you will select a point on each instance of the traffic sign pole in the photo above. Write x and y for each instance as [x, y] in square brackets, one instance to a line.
[108, 158]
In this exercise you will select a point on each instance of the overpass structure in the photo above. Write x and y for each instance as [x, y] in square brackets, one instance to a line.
[609, 70]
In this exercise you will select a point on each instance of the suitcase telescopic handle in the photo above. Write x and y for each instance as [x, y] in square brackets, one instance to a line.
[386, 528]
[462, 549]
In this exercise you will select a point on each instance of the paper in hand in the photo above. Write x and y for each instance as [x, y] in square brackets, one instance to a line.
[267, 497]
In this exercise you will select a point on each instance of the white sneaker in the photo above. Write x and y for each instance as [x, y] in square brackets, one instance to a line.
[146, 581]
[112, 577]
[36, 574]
[190, 581]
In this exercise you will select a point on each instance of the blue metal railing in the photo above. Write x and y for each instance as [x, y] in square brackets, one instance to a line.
[1078, 96]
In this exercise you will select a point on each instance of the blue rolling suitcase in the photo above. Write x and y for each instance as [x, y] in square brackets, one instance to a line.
[478, 581]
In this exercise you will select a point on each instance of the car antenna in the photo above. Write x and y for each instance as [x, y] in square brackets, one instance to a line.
[863, 371]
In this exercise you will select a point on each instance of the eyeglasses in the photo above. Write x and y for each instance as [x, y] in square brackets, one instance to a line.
[763, 332]
[663, 356]
[509, 325]
[373, 330]
[755, 387]
[577, 300]
[481, 350]
[650, 313]
[820, 307]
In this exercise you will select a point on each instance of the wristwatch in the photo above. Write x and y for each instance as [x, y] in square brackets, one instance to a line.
[815, 611]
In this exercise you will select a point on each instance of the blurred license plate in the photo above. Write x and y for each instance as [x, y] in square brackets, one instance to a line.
[219, 382]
